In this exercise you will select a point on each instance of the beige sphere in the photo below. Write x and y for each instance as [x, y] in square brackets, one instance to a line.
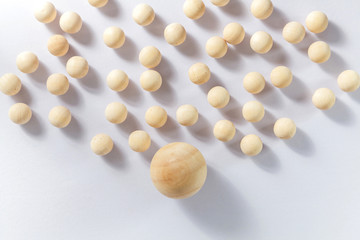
[218, 97]
[199, 73]
[20, 113]
[150, 57]
[77, 67]
[234, 33]
[187, 115]
[293, 32]
[253, 111]
[59, 116]
[114, 37]
[194, 9]
[143, 14]
[27, 62]
[45, 12]
[224, 130]
[58, 45]
[175, 34]
[284, 128]
[220, 3]
[254, 82]
[319, 52]
[101, 144]
[216, 47]
[281, 77]
[156, 116]
[116, 112]
[261, 9]
[150, 80]
[261, 42]
[251, 145]
[70, 22]
[98, 3]
[349, 81]
[139, 141]
[117, 80]
[57, 84]
[10, 84]
[323, 98]
[317, 22]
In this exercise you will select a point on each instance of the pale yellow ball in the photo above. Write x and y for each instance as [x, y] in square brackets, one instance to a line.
[70, 22]
[261, 42]
[143, 14]
[57, 84]
[150, 57]
[98, 3]
[254, 82]
[253, 111]
[45, 12]
[349, 81]
[77, 67]
[59, 116]
[139, 141]
[220, 3]
[187, 115]
[101, 144]
[20, 113]
[114, 37]
[323, 98]
[293, 32]
[150, 80]
[284, 128]
[261, 9]
[319, 52]
[156, 116]
[116, 112]
[199, 73]
[224, 130]
[27, 62]
[10, 84]
[317, 22]
[234, 33]
[58, 45]
[218, 97]
[281, 77]
[194, 9]
[117, 80]
[175, 34]
[216, 47]
[251, 145]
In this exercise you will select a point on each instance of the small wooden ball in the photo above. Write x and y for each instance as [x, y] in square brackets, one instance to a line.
[251, 145]
[224, 130]
[261, 42]
[45, 12]
[156, 116]
[349, 81]
[175, 34]
[150, 57]
[143, 14]
[261, 9]
[220, 3]
[178, 170]
[284, 128]
[218, 97]
[60, 116]
[58, 45]
[216, 47]
[57, 84]
[194, 9]
[323, 98]
[150, 80]
[27, 62]
[70, 22]
[199, 73]
[117, 80]
[77, 67]
[187, 115]
[234, 33]
[294, 32]
[254, 82]
[253, 111]
[20, 113]
[319, 52]
[116, 112]
[101, 144]
[281, 77]
[98, 3]
[317, 22]
[139, 141]
[114, 37]
[10, 84]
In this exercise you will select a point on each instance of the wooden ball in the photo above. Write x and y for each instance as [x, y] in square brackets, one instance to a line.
[317, 22]
[216, 47]
[218, 97]
[27, 62]
[253, 111]
[234, 33]
[58, 45]
[284, 128]
[319, 52]
[10, 84]
[261, 42]
[116, 112]
[150, 57]
[114, 37]
[77, 67]
[254, 82]
[70, 22]
[57, 84]
[194, 9]
[117, 80]
[261, 9]
[175, 34]
[156, 116]
[60, 116]
[143, 14]
[178, 170]
[220, 3]
[199, 73]
[139, 141]
[150, 80]
[323, 98]
[349, 81]
[187, 115]
[45, 12]
[251, 145]
[224, 130]
[294, 32]
[281, 77]
[101, 144]
[20, 113]
[98, 3]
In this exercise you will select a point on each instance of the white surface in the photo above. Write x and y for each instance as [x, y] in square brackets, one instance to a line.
[53, 187]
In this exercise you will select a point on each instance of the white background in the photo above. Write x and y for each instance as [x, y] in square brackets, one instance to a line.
[53, 187]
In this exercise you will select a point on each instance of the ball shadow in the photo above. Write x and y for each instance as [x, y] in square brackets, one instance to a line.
[34, 127]
[201, 130]
[157, 27]
[131, 124]
[171, 130]
[111, 9]
[266, 125]
[355, 95]
[208, 20]
[233, 111]
[190, 47]
[301, 144]
[72, 52]
[296, 91]
[72, 97]
[92, 81]
[335, 65]
[267, 160]
[131, 95]
[54, 26]
[165, 94]
[23, 96]
[149, 154]
[276, 55]
[74, 130]
[244, 47]
[115, 158]
[341, 114]
[333, 34]
[234, 8]
[128, 50]
[269, 97]
[230, 60]
[277, 20]
[40, 75]
[234, 144]
[84, 36]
